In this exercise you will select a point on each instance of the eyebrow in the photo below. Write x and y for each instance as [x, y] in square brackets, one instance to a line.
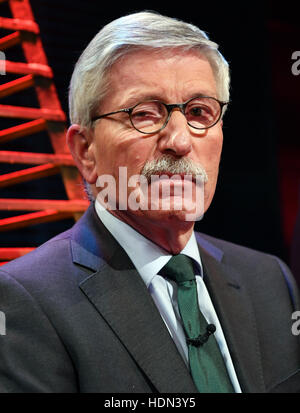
[134, 100]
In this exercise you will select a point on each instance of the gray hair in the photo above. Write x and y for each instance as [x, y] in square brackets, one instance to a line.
[139, 30]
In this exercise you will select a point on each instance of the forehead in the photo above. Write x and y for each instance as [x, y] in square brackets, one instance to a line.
[168, 75]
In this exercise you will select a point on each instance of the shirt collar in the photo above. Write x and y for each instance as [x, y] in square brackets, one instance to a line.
[147, 257]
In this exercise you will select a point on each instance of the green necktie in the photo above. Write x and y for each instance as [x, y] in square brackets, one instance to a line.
[206, 362]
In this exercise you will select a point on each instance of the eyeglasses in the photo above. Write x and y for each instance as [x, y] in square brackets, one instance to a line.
[152, 116]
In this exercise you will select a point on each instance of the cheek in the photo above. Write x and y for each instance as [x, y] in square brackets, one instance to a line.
[209, 153]
[136, 155]
[134, 149]
[115, 148]
[213, 159]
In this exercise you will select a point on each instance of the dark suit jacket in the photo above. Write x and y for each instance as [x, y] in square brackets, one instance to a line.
[80, 319]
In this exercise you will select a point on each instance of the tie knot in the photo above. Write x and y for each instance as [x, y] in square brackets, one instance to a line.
[179, 268]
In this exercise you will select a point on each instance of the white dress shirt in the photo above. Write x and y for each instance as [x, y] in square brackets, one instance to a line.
[148, 258]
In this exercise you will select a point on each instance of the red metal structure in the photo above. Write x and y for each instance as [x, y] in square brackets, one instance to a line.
[49, 117]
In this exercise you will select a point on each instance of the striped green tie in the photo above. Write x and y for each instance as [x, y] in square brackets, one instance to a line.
[206, 362]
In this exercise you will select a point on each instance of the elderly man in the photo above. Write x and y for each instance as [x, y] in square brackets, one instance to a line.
[131, 299]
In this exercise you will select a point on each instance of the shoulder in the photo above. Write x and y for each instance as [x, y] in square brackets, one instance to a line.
[47, 262]
[253, 267]
[228, 251]
[35, 297]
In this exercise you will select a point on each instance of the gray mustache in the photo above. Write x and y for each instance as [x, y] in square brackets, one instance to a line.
[168, 164]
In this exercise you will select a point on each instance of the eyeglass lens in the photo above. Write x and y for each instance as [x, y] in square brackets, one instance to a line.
[200, 113]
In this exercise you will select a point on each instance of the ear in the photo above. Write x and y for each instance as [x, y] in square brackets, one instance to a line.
[80, 143]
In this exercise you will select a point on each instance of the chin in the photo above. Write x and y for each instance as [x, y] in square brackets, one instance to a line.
[172, 215]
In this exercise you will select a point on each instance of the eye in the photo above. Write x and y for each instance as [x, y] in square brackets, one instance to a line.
[146, 109]
[144, 113]
[196, 111]
[202, 112]
[148, 116]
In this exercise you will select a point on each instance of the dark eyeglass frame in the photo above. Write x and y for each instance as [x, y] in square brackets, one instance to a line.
[169, 108]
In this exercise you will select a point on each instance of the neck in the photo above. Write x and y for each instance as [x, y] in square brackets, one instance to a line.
[171, 234]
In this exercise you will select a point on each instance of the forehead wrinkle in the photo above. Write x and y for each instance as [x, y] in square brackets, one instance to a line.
[142, 89]
[136, 96]
[168, 90]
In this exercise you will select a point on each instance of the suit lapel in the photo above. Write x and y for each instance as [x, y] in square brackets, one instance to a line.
[117, 291]
[233, 308]
[124, 302]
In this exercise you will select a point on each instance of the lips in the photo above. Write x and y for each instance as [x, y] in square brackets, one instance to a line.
[173, 177]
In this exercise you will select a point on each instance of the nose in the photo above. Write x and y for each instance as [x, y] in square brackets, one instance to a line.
[175, 138]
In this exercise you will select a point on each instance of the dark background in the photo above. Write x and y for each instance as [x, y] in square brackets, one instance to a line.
[256, 201]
